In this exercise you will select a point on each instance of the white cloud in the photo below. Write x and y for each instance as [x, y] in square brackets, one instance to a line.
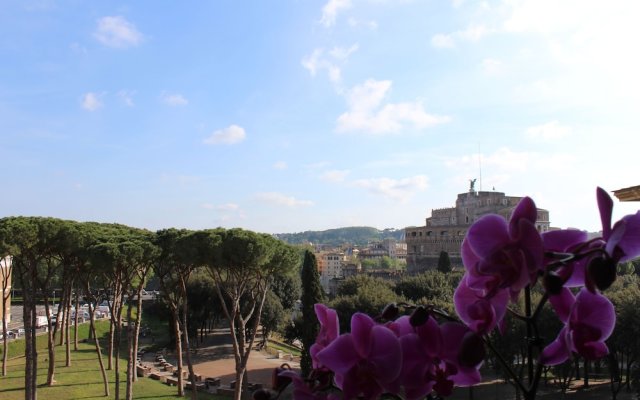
[504, 164]
[395, 189]
[549, 131]
[230, 135]
[356, 23]
[317, 61]
[117, 32]
[368, 114]
[280, 199]
[174, 99]
[342, 53]
[318, 165]
[127, 97]
[179, 179]
[331, 9]
[473, 33]
[442, 40]
[91, 101]
[221, 207]
[280, 165]
[334, 176]
[491, 66]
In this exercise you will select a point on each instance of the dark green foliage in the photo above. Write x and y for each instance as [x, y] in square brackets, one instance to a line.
[444, 262]
[273, 316]
[430, 287]
[356, 235]
[362, 293]
[311, 294]
[288, 289]
[384, 262]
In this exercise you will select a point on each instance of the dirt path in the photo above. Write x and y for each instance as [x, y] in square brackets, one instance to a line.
[215, 359]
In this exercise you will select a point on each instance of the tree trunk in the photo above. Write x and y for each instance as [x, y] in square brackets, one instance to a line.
[31, 353]
[75, 331]
[59, 318]
[136, 336]
[50, 346]
[176, 330]
[67, 323]
[5, 343]
[586, 373]
[185, 331]
[116, 343]
[110, 343]
[98, 351]
[130, 354]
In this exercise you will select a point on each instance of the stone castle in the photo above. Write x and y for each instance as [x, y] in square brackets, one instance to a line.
[445, 229]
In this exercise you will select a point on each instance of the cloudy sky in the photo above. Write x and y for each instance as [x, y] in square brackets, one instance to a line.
[292, 115]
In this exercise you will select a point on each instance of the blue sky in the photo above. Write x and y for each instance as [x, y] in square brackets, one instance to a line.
[292, 115]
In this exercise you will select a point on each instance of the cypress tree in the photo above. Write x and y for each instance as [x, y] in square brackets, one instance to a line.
[311, 294]
[444, 262]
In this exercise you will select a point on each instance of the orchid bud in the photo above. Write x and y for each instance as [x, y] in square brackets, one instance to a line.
[552, 282]
[262, 394]
[472, 350]
[390, 312]
[419, 316]
[601, 272]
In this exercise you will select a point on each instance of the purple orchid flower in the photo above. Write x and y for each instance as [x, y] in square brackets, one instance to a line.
[589, 319]
[571, 274]
[481, 313]
[367, 361]
[329, 331]
[500, 255]
[302, 391]
[437, 357]
[619, 243]
[623, 239]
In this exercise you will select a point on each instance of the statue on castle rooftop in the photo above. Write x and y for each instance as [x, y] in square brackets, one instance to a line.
[472, 184]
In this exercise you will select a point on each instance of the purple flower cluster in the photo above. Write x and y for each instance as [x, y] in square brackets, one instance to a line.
[413, 356]
[401, 357]
[501, 258]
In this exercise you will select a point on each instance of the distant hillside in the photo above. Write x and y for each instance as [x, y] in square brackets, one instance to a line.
[357, 235]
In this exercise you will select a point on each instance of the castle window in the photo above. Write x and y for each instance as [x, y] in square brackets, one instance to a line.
[429, 233]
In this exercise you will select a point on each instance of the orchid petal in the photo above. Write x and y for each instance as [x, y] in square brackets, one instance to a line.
[487, 235]
[361, 325]
[530, 239]
[605, 205]
[595, 310]
[340, 355]
[329, 324]
[562, 304]
[557, 352]
[525, 210]
[563, 239]
[452, 335]
[630, 244]
[386, 354]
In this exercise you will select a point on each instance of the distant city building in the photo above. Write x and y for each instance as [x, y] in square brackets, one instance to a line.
[445, 229]
[5, 266]
[388, 247]
[330, 266]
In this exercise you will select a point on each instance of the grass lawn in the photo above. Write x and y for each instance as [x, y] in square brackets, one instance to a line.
[82, 380]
